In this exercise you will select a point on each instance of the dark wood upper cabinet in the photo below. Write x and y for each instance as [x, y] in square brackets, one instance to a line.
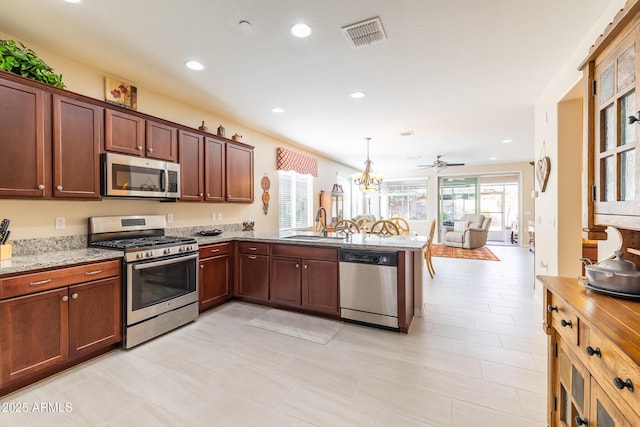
[214, 170]
[77, 137]
[22, 140]
[191, 165]
[161, 141]
[239, 174]
[124, 133]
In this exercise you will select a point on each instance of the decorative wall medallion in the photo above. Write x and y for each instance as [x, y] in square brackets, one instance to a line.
[543, 167]
[266, 184]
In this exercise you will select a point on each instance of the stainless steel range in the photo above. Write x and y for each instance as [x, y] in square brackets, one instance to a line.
[160, 274]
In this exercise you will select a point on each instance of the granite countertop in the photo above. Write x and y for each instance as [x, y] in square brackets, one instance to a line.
[356, 241]
[62, 258]
[45, 260]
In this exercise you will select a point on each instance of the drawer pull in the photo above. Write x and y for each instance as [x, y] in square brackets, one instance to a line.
[552, 308]
[253, 249]
[213, 251]
[253, 257]
[594, 351]
[617, 381]
[40, 282]
[566, 323]
[581, 421]
[91, 273]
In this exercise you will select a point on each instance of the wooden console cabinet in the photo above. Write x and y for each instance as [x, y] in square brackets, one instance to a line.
[593, 356]
[51, 319]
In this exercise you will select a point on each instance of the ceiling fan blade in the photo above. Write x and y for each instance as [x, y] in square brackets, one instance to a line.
[455, 164]
[424, 166]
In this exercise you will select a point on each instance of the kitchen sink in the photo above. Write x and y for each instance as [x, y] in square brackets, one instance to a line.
[313, 237]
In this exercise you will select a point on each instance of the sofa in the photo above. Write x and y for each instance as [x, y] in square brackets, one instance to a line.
[469, 232]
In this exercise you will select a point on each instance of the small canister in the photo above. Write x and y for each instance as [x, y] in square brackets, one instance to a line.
[220, 131]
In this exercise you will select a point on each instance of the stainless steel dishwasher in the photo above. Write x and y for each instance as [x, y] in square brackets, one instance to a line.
[369, 287]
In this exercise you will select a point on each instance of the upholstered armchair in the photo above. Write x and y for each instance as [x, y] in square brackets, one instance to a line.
[469, 232]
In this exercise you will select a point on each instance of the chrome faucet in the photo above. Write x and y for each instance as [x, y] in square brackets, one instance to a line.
[324, 224]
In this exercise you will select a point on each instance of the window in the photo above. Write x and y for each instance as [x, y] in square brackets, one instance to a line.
[296, 200]
[404, 198]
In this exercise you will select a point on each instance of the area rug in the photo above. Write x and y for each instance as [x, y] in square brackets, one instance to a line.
[483, 253]
[298, 325]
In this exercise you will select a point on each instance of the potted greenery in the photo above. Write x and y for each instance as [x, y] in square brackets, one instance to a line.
[16, 58]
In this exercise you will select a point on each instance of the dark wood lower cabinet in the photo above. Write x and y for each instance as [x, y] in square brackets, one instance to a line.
[305, 277]
[215, 275]
[45, 331]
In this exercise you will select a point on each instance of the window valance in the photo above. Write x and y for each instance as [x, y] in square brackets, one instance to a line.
[288, 160]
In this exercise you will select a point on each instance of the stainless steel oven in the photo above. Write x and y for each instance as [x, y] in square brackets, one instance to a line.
[160, 274]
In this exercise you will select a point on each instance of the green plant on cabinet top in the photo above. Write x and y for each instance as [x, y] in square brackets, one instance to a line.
[16, 58]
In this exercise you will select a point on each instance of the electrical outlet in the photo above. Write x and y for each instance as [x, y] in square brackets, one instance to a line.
[61, 223]
[213, 216]
[219, 216]
[169, 217]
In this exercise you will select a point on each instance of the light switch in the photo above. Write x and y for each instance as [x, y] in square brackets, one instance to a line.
[219, 216]
[169, 217]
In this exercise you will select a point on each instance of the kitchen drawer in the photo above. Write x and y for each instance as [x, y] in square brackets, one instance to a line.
[253, 248]
[51, 279]
[563, 319]
[618, 376]
[307, 252]
[209, 251]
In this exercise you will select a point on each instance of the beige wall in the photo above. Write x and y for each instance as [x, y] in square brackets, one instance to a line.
[558, 213]
[36, 218]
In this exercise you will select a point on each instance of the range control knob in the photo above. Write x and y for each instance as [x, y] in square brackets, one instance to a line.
[140, 255]
[149, 254]
[167, 251]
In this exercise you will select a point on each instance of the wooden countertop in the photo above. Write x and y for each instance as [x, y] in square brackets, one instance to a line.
[618, 318]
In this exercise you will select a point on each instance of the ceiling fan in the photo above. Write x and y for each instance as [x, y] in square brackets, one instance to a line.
[439, 164]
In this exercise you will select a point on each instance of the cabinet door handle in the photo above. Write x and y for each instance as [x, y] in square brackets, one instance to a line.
[306, 266]
[65, 298]
[297, 265]
[201, 266]
[139, 147]
[252, 257]
[74, 295]
[581, 421]
[620, 384]
[566, 323]
[40, 282]
[552, 308]
[91, 273]
[59, 188]
[150, 150]
[41, 187]
[594, 351]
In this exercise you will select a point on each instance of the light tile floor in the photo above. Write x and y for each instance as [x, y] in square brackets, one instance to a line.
[476, 358]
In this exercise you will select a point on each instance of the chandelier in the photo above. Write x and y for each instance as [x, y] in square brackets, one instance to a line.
[368, 180]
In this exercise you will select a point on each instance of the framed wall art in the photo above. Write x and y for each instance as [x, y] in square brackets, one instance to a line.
[120, 93]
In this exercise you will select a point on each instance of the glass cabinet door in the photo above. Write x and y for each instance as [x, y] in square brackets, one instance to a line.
[616, 135]
[572, 388]
[603, 412]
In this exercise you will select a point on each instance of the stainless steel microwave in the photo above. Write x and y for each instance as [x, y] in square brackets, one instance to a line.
[129, 176]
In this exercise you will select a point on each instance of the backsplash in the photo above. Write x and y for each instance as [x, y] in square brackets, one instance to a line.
[65, 243]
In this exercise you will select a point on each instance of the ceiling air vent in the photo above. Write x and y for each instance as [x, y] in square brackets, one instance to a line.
[365, 33]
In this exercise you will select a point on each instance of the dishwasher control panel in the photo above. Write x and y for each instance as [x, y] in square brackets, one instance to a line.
[360, 256]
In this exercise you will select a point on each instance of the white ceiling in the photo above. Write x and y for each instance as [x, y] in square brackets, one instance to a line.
[463, 75]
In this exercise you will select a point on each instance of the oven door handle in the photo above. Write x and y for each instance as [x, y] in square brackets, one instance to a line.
[163, 262]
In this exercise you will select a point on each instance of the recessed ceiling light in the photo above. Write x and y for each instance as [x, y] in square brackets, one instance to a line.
[406, 133]
[493, 158]
[506, 141]
[301, 30]
[73, 1]
[194, 65]
[244, 25]
[358, 94]
[277, 110]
